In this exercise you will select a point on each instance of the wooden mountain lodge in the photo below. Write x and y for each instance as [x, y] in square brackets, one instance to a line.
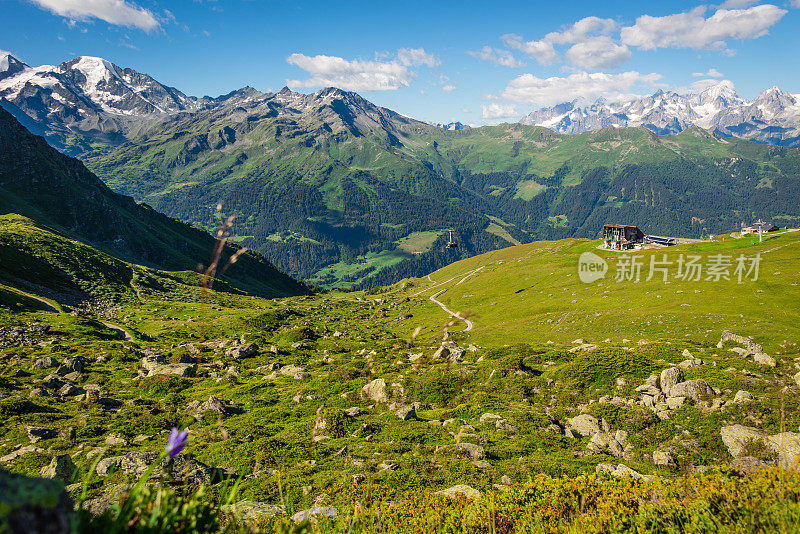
[621, 236]
[759, 226]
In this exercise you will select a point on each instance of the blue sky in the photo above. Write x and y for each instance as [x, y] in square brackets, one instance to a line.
[477, 62]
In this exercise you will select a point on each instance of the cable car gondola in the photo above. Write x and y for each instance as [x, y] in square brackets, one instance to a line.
[451, 243]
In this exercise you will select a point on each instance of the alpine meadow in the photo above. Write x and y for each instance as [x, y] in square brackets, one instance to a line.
[419, 268]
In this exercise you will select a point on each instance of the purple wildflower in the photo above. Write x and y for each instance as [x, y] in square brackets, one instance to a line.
[177, 441]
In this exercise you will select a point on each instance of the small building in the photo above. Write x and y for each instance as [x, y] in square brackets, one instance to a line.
[759, 226]
[621, 236]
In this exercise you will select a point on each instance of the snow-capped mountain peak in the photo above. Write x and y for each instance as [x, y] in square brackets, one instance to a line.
[10, 66]
[772, 117]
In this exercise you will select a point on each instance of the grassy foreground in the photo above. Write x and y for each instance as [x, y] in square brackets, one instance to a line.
[346, 403]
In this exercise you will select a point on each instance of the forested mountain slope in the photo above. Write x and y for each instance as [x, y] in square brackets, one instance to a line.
[58, 191]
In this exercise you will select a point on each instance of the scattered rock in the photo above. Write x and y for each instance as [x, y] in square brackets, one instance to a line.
[751, 345]
[748, 463]
[620, 471]
[45, 363]
[694, 389]
[764, 359]
[475, 452]
[673, 403]
[245, 350]
[736, 438]
[106, 466]
[115, 439]
[254, 511]
[298, 373]
[663, 458]
[583, 347]
[355, 411]
[670, 378]
[61, 467]
[176, 369]
[213, 405]
[406, 413]
[13, 455]
[586, 425]
[375, 391]
[742, 397]
[460, 490]
[449, 350]
[312, 514]
[37, 433]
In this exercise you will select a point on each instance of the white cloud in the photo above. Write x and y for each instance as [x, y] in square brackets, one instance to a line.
[795, 3]
[409, 57]
[499, 57]
[692, 30]
[598, 53]
[543, 51]
[592, 48]
[117, 12]
[736, 4]
[360, 75]
[499, 111]
[449, 88]
[582, 30]
[712, 72]
[528, 89]
[466, 110]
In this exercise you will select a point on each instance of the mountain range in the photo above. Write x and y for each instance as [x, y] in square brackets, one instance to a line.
[337, 191]
[772, 117]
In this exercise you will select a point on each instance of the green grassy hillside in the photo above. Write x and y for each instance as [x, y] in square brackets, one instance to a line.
[324, 191]
[533, 292]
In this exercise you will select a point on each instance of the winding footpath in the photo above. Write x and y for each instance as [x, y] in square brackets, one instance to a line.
[449, 312]
[457, 315]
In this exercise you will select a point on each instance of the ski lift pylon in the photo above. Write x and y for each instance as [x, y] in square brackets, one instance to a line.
[451, 243]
